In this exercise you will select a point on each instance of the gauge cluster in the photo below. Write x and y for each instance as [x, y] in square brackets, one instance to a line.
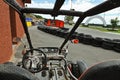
[49, 49]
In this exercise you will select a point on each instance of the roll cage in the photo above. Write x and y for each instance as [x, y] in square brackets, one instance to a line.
[105, 6]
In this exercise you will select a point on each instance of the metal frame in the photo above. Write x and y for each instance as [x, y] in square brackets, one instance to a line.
[105, 6]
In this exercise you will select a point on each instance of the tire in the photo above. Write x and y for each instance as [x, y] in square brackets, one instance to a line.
[97, 42]
[74, 36]
[82, 66]
[78, 68]
[88, 39]
[65, 34]
[65, 29]
[117, 45]
[61, 34]
[81, 37]
[108, 44]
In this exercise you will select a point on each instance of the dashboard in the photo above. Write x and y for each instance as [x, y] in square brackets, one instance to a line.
[49, 49]
[37, 59]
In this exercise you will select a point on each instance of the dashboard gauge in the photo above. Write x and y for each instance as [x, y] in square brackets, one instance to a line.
[49, 49]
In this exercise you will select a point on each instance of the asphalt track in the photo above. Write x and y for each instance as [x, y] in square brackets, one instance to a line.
[90, 54]
[96, 33]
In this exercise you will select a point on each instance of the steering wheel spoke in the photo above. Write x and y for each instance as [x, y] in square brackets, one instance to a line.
[34, 62]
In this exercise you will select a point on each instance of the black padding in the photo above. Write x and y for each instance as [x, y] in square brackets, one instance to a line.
[105, 6]
[82, 66]
[97, 41]
[117, 45]
[9, 71]
[14, 5]
[88, 39]
[108, 44]
[109, 70]
[49, 11]
[57, 6]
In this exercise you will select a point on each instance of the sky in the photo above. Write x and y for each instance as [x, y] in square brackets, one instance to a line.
[78, 5]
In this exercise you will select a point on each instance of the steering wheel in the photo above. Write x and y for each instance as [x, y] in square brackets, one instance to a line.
[9, 71]
[34, 60]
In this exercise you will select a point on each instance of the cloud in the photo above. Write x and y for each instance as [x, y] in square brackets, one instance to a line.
[78, 5]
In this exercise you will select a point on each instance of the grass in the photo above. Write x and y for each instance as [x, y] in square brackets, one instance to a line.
[100, 28]
[103, 29]
[115, 31]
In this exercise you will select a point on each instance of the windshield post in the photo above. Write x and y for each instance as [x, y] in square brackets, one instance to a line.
[72, 31]
[22, 17]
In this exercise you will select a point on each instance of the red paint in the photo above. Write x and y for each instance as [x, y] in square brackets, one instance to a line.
[48, 22]
[5, 33]
[55, 23]
[61, 25]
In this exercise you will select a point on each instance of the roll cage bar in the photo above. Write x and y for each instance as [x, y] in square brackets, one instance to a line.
[105, 6]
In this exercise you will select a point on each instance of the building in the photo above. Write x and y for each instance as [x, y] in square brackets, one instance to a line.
[10, 27]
